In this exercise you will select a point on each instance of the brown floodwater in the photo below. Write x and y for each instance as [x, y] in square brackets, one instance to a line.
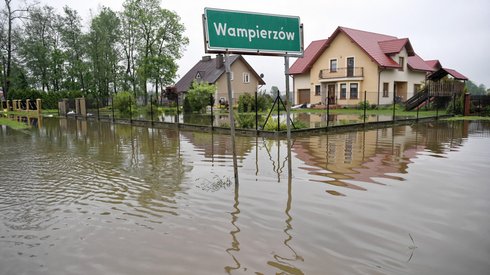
[83, 197]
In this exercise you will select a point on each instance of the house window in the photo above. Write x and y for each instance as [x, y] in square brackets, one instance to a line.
[386, 87]
[333, 65]
[317, 90]
[246, 78]
[343, 90]
[354, 90]
[401, 61]
[416, 88]
[198, 76]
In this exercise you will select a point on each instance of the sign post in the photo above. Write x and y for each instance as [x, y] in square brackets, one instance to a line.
[250, 33]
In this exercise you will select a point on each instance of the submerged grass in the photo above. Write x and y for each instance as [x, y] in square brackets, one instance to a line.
[13, 124]
[459, 118]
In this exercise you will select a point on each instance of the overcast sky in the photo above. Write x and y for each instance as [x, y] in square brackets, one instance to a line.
[455, 32]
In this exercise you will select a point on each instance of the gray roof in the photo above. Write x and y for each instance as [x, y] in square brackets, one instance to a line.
[208, 72]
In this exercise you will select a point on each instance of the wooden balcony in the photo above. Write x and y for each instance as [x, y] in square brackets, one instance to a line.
[340, 73]
[445, 88]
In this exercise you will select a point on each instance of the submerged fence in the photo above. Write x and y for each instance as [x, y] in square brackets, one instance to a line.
[155, 112]
[20, 105]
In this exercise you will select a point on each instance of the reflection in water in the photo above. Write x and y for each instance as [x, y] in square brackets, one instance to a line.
[235, 244]
[285, 264]
[365, 156]
[84, 197]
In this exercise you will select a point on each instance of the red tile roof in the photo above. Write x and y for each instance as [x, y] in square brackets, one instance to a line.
[434, 64]
[455, 74]
[416, 63]
[312, 52]
[395, 46]
[369, 42]
[377, 46]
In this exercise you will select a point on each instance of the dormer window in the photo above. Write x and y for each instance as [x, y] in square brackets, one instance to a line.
[199, 75]
[401, 62]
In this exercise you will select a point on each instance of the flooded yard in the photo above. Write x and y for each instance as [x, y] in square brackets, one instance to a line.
[88, 197]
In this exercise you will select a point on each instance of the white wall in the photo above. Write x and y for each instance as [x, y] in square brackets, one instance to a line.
[392, 75]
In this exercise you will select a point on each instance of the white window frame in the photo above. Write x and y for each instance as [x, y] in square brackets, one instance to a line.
[340, 91]
[358, 86]
[246, 77]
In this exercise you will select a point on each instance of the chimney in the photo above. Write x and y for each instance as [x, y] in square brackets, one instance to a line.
[206, 58]
[219, 61]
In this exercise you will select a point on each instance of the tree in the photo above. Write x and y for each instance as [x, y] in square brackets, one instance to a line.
[199, 96]
[128, 42]
[40, 48]
[103, 54]
[159, 41]
[474, 89]
[169, 46]
[274, 91]
[10, 15]
[72, 40]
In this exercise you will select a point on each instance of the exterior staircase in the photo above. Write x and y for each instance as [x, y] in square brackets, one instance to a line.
[417, 100]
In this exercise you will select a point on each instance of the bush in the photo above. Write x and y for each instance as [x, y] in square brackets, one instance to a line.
[199, 96]
[124, 102]
[246, 103]
[456, 107]
[363, 105]
[246, 121]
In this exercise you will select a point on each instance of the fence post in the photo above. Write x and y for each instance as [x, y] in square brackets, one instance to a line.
[98, 113]
[151, 109]
[365, 106]
[328, 110]
[394, 101]
[437, 105]
[278, 112]
[454, 104]
[130, 111]
[467, 104]
[256, 113]
[112, 107]
[418, 109]
[38, 106]
[178, 112]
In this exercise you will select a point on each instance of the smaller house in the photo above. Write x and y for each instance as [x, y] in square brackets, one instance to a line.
[244, 79]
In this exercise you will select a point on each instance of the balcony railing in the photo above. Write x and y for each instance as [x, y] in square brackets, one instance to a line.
[448, 88]
[342, 73]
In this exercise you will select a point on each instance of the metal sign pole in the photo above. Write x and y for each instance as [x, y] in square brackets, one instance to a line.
[231, 115]
[288, 105]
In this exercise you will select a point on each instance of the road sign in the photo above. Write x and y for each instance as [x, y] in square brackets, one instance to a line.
[228, 31]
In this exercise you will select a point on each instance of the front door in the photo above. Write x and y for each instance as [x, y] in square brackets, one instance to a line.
[350, 66]
[331, 94]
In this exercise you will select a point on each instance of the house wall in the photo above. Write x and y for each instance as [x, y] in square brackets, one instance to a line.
[391, 76]
[342, 48]
[301, 82]
[238, 86]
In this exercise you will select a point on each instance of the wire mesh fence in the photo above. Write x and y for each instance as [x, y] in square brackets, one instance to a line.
[361, 108]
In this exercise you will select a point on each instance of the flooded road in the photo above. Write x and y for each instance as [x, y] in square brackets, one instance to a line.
[82, 197]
